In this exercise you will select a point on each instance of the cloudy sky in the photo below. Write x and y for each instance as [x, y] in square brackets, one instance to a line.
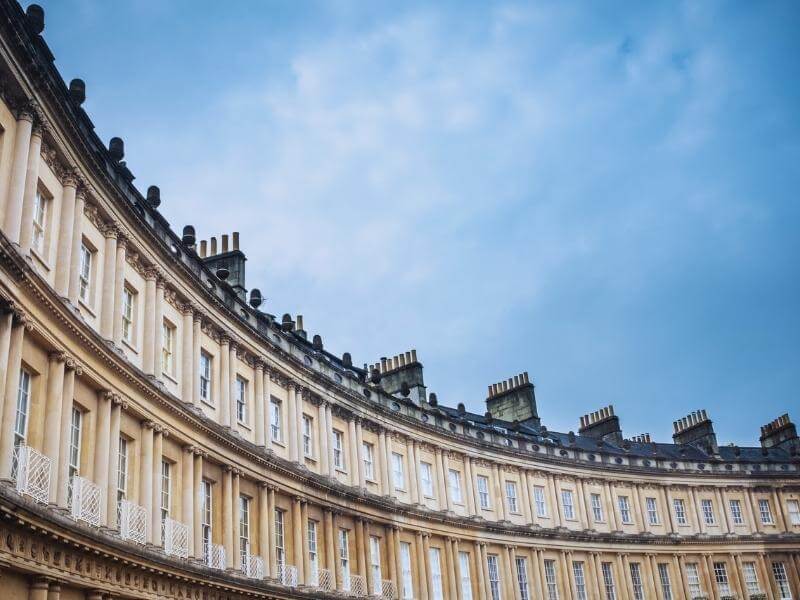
[601, 194]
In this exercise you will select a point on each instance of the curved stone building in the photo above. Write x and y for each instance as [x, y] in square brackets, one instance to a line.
[162, 437]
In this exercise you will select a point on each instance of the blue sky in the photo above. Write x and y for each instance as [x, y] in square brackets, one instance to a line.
[602, 194]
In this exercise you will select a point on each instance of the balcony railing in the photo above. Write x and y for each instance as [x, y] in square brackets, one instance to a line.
[253, 567]
[358, 585]
[388, 591]
[176, 538]
[322, 579]
[216, 557]
[287, 575]
[32, 473]
[132, 522]
[85, 500]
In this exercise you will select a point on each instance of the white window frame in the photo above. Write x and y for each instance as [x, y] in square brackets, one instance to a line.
[567, 505]
[664, 580]
[483, 492]
[437, 587]
[454, 481]
[781, 580]
[368, 458]
[597, 508]
[280, 536]
[75, 435]
[551, 583]
[579, 578]
[466, 579]
[693, 580]
[313, 554]
[737, 517]
[493, 566]
[128, 313]
[636, 581]
[511, 497]
[608, 581]
[338, 450]
[750, 573]
[168, 348]
[122, 470]
[679, 507]
[624, 510]
[22, 412]
[244, 529]
[206, 517]
[166, 490]
[407, 592]
[399, 471]
[426, 479]
[793, 508]
[765, 511]
[540, 501]
[39, 221]
[522, 577]
[375, 564]
[275, 420]
[344, 553]
[308, 436]
[707, 508]
[205, 377]
[85, 273]
[652, 511]
[242, 408]
[721, 578]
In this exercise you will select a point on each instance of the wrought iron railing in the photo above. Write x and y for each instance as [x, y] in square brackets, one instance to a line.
[388, 590]
[358, 585]
[325, 580]
[31, 473]
[287, 575]
[253, 567]
[216, 557]
[176, 538]
[85, 500]
[132, 522]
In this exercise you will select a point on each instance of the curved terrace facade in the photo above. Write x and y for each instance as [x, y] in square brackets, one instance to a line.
[163, 437]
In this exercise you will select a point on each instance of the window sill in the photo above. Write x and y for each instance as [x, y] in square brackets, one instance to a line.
[86, 306]
[341, 471]
[243, 425]
[208, 403]
[130, 346]
[311, 458]
[40, 259]
[169, 377]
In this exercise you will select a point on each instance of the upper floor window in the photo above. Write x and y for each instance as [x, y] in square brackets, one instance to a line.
[466, 579]
[85, 274]
[167, 348]
[128, 307]
[344, 552]
[275, 420]
[75, 430]
[368, 456]
[652, 511]
[794, 511]
[405, 567]
[426, 475]
[580, 580]
[693, 580]
[550, 579]
[308, 439]
[680, 511]
[511, 496]
[624, 509]
[244, 529]
[40, 206]
[454, 479]
[736, 512]
[338, 449]
[483, 491]
[398, 471]
[205, 517]
[636, 581]
[765, 511]
[375, 564]
[23, 408]
[666, 584]
[205, 376]
[539, 501]
[751, 578]
[522, 577]
[779, 572]
[312, 545]
[122, 470]
[708, 511]
[242, 414]
[597, 507]
[567, 505]
[436, 574]
[721, 577]
[280, 543]
[166, 489]
[608, 581]
[494, 575]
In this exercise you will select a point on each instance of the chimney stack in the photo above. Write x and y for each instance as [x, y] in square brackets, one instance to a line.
[403, 368]
[780, 433]
[602, 424]
[228, 256]
[696, 429]
[513, 399]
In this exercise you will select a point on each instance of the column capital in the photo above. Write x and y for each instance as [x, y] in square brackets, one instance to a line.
[148, 425]
[70, 177]
[110, 230]
[58, 356]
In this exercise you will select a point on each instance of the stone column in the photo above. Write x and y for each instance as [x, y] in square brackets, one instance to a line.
[298, 403]
[725, 521]
[511, 554]
[750, 504]
[16, 186]
[450, 568]
[273, 555]
[38, 589]
[225, 382]
[367, 558]
[422, 572]
[500, 501]
[117, 406]
[622, 574]
[477, 561]
[322, 420]
[95, 595]
[69, 184]
[235, 518]
[444, 468]
[158, 332]
[197, 322]
[227, 513]
[304, 537]
[29, 195]
[108, 282]
[146, 473]
[195, 519]
[61, 470]
[329, 435]
[188, 380]
[6, 325]
[352, 441]
[389, 462]
[52, 417]
[148, 331]
[650, 576]
[337, 565]
[330, 540]
[259, 404]
[232, 364]
[54, 593]
[267, 409]
[701, 523]
[612, 507]
[73, 265]
[188, 495]
[469, 477]
[526, 496]
[11, 392]
[119, 287]
[290, 433]
[297, 537]
[391, 555]
[362, 476]
[383, 464]
[583, 502]
[484, 566]
[158, 453]
[360, 547]
[457, 569]
[667, 490]
[102, 448]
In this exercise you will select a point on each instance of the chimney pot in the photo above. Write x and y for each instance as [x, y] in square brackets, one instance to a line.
[235, 240]
[413, 356]
[203, 248]
[224, 242]
[213, 246]
[300, 322]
